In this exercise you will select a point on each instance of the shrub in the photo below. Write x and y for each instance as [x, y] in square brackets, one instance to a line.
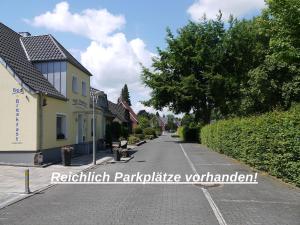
[158, 132]
[140, 136]
[270, 142]
[137, 130]
[133, 140]
[189, 134]
[180, 132]
[149, 137]
[149, 131]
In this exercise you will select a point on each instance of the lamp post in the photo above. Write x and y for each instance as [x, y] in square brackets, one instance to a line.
[94, 97]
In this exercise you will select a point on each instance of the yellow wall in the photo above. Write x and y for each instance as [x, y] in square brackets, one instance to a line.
[71, 109]
[30, 114]
[27, 117]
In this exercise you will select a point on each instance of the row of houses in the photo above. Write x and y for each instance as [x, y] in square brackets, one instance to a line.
[46, 101]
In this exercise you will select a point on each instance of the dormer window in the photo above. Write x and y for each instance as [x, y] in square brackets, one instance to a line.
[55, 73]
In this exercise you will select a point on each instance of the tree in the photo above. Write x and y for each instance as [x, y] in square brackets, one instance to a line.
[125, 95]
[171, 122]
[180, 79]
[187, 119]
[250, 67]
[144, 113]
[276, 81]
[143, 122]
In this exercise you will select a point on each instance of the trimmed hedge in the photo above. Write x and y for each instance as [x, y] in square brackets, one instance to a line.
[189, 134]
[270, 142]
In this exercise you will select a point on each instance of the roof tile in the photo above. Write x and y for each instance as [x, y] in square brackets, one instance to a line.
[12, 52]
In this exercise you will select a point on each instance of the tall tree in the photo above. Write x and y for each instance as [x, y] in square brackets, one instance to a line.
[276, 82]
[250, 67]
[180, 80]
[125, 95]
[144, 113]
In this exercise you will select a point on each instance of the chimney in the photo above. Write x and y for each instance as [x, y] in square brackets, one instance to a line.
[25, 34]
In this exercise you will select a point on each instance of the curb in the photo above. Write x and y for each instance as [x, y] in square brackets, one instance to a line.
[25, 165]
[24, 196]
[140, 143]
[126, 160]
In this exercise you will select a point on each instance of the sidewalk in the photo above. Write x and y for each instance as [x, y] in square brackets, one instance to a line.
[12, 177]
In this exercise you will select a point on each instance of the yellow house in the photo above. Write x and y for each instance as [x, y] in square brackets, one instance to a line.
[45, 100]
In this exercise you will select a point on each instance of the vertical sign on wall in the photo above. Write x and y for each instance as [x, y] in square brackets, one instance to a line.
[17, 92]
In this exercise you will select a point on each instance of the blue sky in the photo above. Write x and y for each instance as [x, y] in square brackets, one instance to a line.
[111, 37]
[144, 19]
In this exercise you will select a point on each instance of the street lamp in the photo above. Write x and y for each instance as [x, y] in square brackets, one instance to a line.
[94, 97]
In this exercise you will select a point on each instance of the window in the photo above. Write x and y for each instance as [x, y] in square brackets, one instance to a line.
[61, 127]
[44, 70]
[55, 72]
[57, 80]
[50, 72]
[75, 85]
[83, 88]
[63, 76]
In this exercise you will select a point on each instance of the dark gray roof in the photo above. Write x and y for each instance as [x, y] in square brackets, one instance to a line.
[119, 111]
[47, 48]
[12, 52]
[102, 102]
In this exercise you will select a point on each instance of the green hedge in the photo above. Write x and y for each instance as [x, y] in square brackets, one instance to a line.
[140, 136]
[137, 130]
[270, 142]
[149, 131]
[189, 134]
[133, 140]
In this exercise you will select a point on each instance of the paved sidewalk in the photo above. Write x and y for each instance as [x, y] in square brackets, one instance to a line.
[12, 182]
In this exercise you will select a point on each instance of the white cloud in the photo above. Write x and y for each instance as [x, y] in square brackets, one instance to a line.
[91, 23]
[110, 57]
[115, 63]
[211, 7]
[139, 106]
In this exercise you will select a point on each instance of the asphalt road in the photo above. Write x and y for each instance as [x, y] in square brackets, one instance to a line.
[268, 202]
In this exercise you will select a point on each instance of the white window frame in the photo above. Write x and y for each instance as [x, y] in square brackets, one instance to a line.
[66, 125]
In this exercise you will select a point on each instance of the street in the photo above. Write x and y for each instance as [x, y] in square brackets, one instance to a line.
[268, 202]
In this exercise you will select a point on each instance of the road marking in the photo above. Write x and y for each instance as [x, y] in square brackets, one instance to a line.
[207, 195]
[256, 201]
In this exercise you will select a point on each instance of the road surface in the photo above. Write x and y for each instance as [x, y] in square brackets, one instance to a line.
[268, 202]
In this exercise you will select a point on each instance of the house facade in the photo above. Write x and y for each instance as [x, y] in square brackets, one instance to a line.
[46, 100]
[124, 114]
[132, 115]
